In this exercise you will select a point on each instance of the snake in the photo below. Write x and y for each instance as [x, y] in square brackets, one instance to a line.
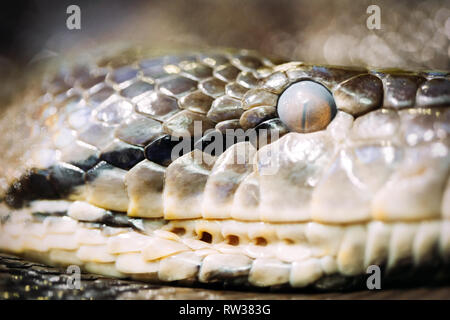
[222, 166]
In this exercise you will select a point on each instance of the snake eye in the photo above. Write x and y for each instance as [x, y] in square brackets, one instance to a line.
[306, 106]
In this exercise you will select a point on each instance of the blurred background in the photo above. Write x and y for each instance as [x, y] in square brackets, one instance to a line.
[413, 34]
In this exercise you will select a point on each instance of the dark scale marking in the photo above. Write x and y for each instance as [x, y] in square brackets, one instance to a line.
[120, 220]
[216, 142]
[34, 184]
[268, 128]
[65, 177]
[40, 216]
[81, 154]
[90, 155]
[160, 150]
[39, 185]
[115, 219]
[122, 155]
[87, 163]
[95, 171]
[207, 140]
[110, 218]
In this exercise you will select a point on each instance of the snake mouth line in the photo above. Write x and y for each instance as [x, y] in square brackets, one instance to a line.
[224, 251]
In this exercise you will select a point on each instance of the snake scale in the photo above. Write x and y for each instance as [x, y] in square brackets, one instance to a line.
[353, 170]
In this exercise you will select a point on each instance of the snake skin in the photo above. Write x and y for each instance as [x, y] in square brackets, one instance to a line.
[87, 176]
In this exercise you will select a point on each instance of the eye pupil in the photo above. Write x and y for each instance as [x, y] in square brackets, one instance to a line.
[306, 106]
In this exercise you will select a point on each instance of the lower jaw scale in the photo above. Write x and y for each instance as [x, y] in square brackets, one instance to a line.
[260, 254]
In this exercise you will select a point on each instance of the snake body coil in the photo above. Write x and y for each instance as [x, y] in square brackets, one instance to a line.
[353, 170]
